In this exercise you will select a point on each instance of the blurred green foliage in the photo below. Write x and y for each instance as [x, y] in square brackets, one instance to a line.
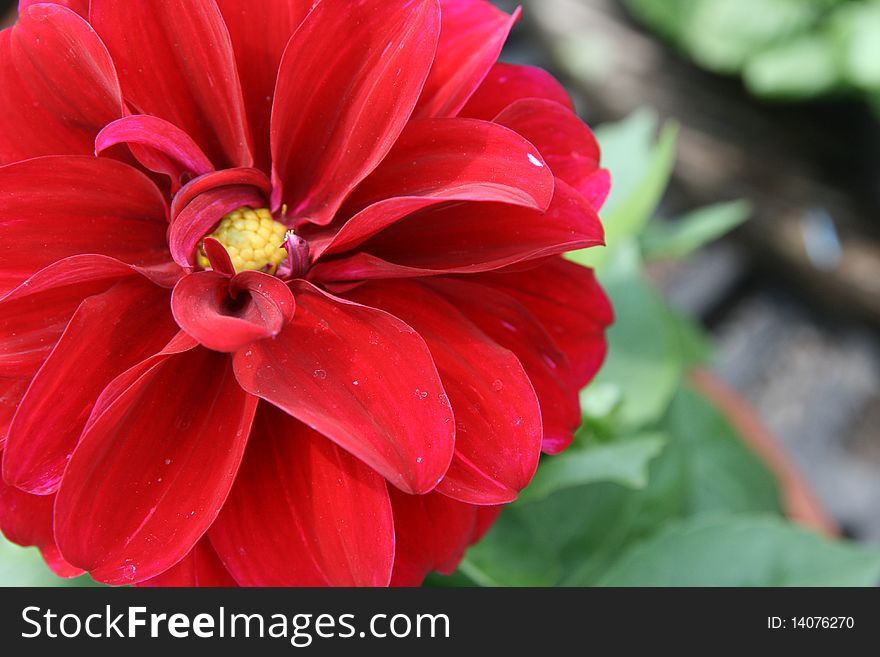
[658, 488]
[783, 49]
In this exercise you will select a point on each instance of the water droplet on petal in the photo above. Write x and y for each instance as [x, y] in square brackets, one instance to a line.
[320, 374]
[497, 384]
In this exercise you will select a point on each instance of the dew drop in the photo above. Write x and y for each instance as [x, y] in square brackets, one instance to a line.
[167, 461]
[320, 374]
[497, 384]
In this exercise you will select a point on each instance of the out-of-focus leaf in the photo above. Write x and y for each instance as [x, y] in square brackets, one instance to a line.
[722, 474]
[794, 70]
[624, 462]
[515, 555]
[640, 166]
[856, 32]
[748, 550]
[644, 357]
[723, 34]
[681, 237]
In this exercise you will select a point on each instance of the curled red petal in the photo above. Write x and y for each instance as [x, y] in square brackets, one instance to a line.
[158, 145]
[242, 176]
[497, 416]
[154, 469]
[471, 37]
[58, 206]
[506, 84]
[203, 214]
[468, 238]
[260, 31]
[97, 345]
[58, 85]
[201, 567]
[175, 61]
[226, 314]
[362, 378]
[324, 517]
[341, 103]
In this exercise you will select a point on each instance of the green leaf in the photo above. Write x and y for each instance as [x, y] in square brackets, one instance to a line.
[746, 550]
[723, 35]
[640, 167]
[800, 69]
[722, 474]
[645, 359]
[624, 462]
[514, 556]
[856, 32]
[681, 237]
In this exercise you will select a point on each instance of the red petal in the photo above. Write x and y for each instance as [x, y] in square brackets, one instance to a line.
[507, 83]
[260, 31]
[11, 391]
[201, 567]
[342, 102]
[179, 344]
[565, 142]
[175, 61]
[58, 86]
[498, 420]
[151, 473]
[469, 238]
[443, 160]
[568, 300]
[512, 326]
[304, 512]
[33, 316]
[158, 145]
[215, 180]
[433, 532]
[204, 213]
[471, 38]
[81, 7]
[97, 345]
[362, 378]
[54, 207]
[226, 314]
[459, 159]
[26, 520]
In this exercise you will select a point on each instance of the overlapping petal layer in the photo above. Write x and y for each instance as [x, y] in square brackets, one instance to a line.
[355, 415]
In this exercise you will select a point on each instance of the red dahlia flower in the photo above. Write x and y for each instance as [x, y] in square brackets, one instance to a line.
[283, 300]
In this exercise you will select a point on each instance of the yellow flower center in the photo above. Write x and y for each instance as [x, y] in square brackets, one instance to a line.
[252, 238]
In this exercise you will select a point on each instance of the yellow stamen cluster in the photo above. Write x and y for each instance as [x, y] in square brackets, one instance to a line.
[252, 238]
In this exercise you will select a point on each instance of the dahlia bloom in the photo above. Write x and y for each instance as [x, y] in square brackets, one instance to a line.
[281, 293]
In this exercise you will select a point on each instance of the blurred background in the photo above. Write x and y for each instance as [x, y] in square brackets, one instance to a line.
[778, 103]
